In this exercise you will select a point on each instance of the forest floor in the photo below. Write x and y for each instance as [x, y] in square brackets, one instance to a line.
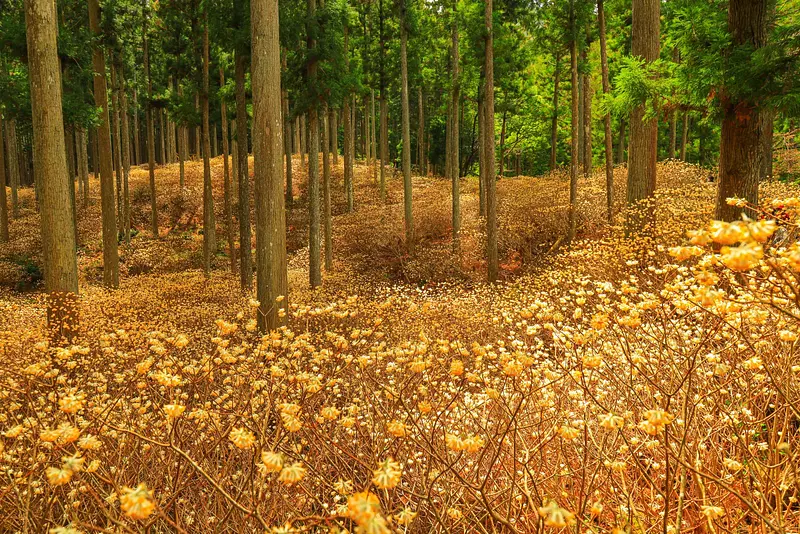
[384, 309]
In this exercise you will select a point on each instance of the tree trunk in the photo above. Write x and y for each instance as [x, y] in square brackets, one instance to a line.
[502, 172]
[384, 141]
[685, 136]
[234, 163]
[267, 166]
[197, 131]
[645, 43]
[110, 252]
[621, 142]
[372, 135]
[116, 143]
[50, 168]
[182, 148]
[348, 132]
[83, 165]
[151, 134]
[209, 223]
[453, 134]
[587, 111]
[126, 158]
[554, 120]
[481, 146]
[303, 141]
[137, 148]
[491, 180]
[314, 266]
[407, 190]
[13, 165]
[3, 199]
[601, 17]
[326, 190]
[287, 141]
[574, 130]
[240, 66]
[226, 176]
[335, 137]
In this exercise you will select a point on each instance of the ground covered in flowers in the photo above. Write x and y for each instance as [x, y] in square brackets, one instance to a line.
[608, 385]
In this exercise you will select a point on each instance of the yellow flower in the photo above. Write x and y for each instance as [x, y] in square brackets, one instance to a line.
[732, 465]
[174, 411]
[610, 421]
[362, 505]
[405, 516]
[473, 443]
[387, 475]
[292, 474]
[57, 476]
[70, 403]
[726, 233]
[568, 432]
[272, 462]
[555, 516]
[242, 438]
[136, 502]
[454, 443]
[741, 258]
[89, 443]
[291, 422]
[456, 368]
[712, 512]
[397, 429]
[330, 413]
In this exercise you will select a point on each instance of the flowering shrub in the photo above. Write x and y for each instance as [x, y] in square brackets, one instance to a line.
[617, 389]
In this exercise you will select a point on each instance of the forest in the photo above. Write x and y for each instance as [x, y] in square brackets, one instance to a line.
[400, 266]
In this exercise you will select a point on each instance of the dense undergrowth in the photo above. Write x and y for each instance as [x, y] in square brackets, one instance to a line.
[608, 386]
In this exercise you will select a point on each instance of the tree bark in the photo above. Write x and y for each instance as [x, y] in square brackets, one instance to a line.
[481, 146]
[348, 132]
[151, 134]
[110, 252]
[554, 120]
[645, 43]
[491, 180]
[126, 158]
[372, 135]
[326, 190]
[240, 66]
[3, 197]
[209, 223]
[137, 148]
[574, 130]
[287, 139]
[13, 165]
[226, 176]
[685, 136]
[407, 190]
[50, 168]
[267, 166]
[384, 141]
[587, 110]
[115, 136]
[83, 165]
[314, 266]
[601, 18]
[453, 134]
[183, 148]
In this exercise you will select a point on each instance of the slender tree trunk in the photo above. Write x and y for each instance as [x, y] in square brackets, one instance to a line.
[116, 144]
[491, 180]
[13, 165]
[348, 133]
[587, 112]
[685, 136]
[50, 168]
[83, 164]
[554, 120]
[136, 148]
[601, 17]
[326, 190]
[372, 135]
[162, 137]
[182, 148]
[335, 137]
[209, 223]
[234, 163]
[126, 157]
[453, 133]
[227, 178]
[267, 153]
[621, 142]
[314, 266]
[151, 135]
[240, 66]
[384, 148]
[303, 141]
[575, 149]
[287, 138]
[482, 146]
[420, 133]
[296, 131]
[502, 172]
[645, 43]
[110, 252]
[197, 131]
[3, 198]
[407, 190]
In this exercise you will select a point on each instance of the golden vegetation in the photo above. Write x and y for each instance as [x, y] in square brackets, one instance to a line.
[614, 386]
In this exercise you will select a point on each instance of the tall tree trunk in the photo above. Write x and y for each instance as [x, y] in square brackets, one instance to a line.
[126, 157]
[587, 110]
[420, 133]
[209, 223]
[384, 141]
[182, 148]
[13, 165]
[287, 139]
[685, 135]
[491, 180]
[137, 148]
[226, 176]
[621, 142]
[3, 198]
[267, 157]
[601, 18]
[197, 131]
[116, 142]
[234, 163]
[335, 137]
[151, 134]
[554, 120]
[574, 130]
[348, 132]
[240, 67]
[303, 141]
[502, 172]
[407, 190]
[50, 168]
[314, 266]
[110, 252]
[162, 137]
[645, 44]
[453, 135]
[482, 145]
[83, 165]
[326, 190]
[372, 135]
